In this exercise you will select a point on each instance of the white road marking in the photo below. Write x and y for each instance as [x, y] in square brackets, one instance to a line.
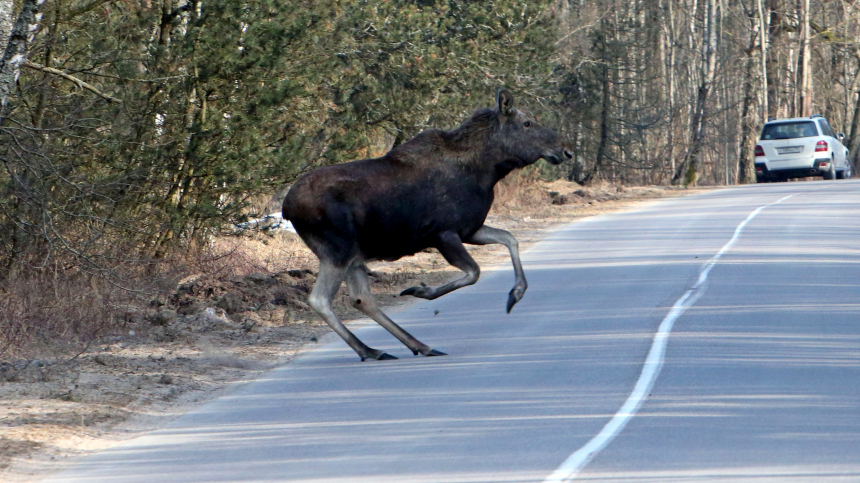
[574, 463]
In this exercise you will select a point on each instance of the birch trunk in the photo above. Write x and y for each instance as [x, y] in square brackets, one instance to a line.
[668, 53]
[763, 34]
[6, 9]
[673, 82]
[15, 48]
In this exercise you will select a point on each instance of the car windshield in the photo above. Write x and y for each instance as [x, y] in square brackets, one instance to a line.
[789, 130]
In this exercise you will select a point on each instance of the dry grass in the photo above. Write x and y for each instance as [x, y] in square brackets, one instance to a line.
[256, 252]
[58, 313]
[520, 192]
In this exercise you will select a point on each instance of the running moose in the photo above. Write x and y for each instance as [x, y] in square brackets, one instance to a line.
[434, 190]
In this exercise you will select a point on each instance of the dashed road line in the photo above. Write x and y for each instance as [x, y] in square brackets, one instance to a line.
[574, 463]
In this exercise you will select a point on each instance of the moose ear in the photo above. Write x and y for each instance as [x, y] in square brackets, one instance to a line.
[505, 101]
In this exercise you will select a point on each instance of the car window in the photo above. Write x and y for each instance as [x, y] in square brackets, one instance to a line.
[825, 128]
[789, 130]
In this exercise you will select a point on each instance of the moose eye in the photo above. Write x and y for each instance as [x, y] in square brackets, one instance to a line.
[527, 124]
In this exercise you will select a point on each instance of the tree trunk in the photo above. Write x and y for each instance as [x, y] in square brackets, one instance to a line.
[605, 105]
[6, 9]
[15, 49]
[804, 82]
[746, 164]
[854, 135]
[604, 128]
[773, 76]
[669, 65]
[763, 36]
[577, 168]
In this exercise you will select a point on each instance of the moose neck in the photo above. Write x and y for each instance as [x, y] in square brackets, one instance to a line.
[475, 134]
[479, 136]
[503, 167]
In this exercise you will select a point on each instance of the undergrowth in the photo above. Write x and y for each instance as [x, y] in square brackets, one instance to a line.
[63, 310]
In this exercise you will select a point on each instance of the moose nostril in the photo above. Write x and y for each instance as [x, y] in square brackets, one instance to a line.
[568, 153]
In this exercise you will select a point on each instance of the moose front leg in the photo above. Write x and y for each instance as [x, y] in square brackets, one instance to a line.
[487, 235]
[451, 247]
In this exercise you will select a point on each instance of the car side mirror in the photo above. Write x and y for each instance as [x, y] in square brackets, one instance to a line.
[841, 137]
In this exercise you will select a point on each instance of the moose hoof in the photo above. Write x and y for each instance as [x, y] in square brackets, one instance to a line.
[512, 300]
[379, 356]
[515, 296]
[385, 357]
[431, 353]
[422, 291]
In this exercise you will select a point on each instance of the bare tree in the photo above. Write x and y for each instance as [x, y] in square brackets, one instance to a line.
[605, 103]
[687, 172]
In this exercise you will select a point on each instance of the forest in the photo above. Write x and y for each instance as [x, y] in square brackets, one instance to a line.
[132, 131]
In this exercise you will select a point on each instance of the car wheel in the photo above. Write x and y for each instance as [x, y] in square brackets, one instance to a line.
[845, 173]
[831, 173]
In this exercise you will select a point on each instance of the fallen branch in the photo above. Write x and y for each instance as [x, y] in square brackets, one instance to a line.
[75, 80]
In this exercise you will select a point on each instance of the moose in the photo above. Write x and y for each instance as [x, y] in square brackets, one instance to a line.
[433, 191]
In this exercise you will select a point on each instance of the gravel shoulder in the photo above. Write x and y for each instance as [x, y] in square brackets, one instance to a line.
[219, 329]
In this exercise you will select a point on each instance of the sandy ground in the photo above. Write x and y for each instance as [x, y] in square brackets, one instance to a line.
[218, 329]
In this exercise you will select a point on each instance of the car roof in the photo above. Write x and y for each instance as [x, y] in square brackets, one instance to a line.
[795, 119]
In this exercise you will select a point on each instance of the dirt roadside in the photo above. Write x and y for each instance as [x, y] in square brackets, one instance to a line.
[218, 329]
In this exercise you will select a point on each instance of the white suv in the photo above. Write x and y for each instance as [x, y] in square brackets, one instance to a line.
[800, 147]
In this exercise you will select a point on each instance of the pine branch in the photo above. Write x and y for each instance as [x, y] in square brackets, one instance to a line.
[75, 80]
[84, 9]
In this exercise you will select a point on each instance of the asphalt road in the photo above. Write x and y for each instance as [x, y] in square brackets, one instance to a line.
[760, 381]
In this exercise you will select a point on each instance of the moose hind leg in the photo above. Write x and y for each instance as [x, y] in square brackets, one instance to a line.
[362, 299]
[487, 235]
[455, 253]
[328, 282]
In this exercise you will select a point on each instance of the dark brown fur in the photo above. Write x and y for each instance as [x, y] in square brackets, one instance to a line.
[434, 190]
